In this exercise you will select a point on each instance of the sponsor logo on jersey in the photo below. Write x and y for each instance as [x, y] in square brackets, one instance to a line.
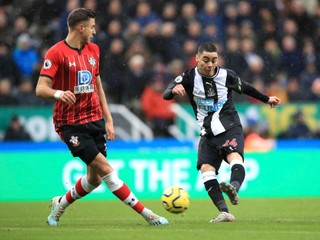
[84, 77]
[208, 105]
[84, 80]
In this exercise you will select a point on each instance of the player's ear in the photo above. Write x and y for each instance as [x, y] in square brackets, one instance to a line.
[81, 27]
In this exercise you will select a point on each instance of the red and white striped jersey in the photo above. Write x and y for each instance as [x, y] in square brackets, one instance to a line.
[75, 70]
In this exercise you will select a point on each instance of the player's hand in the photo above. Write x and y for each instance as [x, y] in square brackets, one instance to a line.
[274, 101]
[68, 97]
[179, 90]
[109, 131]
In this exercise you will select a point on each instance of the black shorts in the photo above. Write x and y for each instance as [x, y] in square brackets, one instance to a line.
[85, 141]
[212, 150]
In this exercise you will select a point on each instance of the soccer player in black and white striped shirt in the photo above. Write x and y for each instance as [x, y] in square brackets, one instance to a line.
[209, 88]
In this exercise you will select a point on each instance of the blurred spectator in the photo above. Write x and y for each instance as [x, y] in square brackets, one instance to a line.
[170, 42]
[5, 27]
[245, 13]
[267, 32]
[6, 93]
[15, 131]
[315, 89]
[247, 30]
[153, 39]
[309, 52]
[257, 138]
[233, 59]
[114, 68]
[306, 79]
[291, 57]
[194, 32]
[132, 32]
[25, 56]
[294, 91]
[290, 28]
[138, 47]
[189, 49]
[91, 4]
[113, 11]
[8, 67]
[232, 31]
[175, 68]
[157, 112]
[212, 34]
[298, 129]
[188, 14]
[256, 71]
[104, 38]
[230, 14]
[299, 14]
[144, 14]
[209, 14]
[26, 96]
[134, 80]
[278, 88]
[271, 57]
[169, 12]
[20, 27]
[69, 6]
[249, 53]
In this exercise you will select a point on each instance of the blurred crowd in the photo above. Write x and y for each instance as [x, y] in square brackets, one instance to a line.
[273, 44]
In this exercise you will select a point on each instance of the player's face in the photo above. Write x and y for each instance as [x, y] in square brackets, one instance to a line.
[88, 30]
[207, 63]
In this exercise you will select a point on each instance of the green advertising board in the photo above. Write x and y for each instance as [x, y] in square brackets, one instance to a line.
[39, 175]
[277, 119]
[38, 120]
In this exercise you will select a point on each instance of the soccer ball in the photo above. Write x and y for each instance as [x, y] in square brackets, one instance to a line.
[175, 199]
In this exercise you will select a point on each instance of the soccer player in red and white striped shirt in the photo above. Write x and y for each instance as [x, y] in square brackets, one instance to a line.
[70, 75]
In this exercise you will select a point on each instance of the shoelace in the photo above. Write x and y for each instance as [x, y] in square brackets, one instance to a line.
[58, 213]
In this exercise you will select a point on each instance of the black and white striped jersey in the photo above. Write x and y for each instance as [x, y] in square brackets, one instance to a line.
[211, 98]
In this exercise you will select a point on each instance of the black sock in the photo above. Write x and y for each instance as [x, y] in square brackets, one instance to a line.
[214, 192]
[237, 175]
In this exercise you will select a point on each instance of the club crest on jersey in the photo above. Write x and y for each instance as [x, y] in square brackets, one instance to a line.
[92, 62]
[74, 140]
[211, 92]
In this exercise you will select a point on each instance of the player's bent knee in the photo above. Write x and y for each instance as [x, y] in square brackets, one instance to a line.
[207, 167]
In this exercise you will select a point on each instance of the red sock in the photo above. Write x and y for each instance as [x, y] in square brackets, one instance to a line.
[126, 196]
[79, 192]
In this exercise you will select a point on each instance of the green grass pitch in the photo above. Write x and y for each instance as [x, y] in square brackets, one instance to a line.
[270, 219]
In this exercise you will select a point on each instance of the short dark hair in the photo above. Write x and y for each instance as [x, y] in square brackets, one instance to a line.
[80, 14]
[207, 47]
